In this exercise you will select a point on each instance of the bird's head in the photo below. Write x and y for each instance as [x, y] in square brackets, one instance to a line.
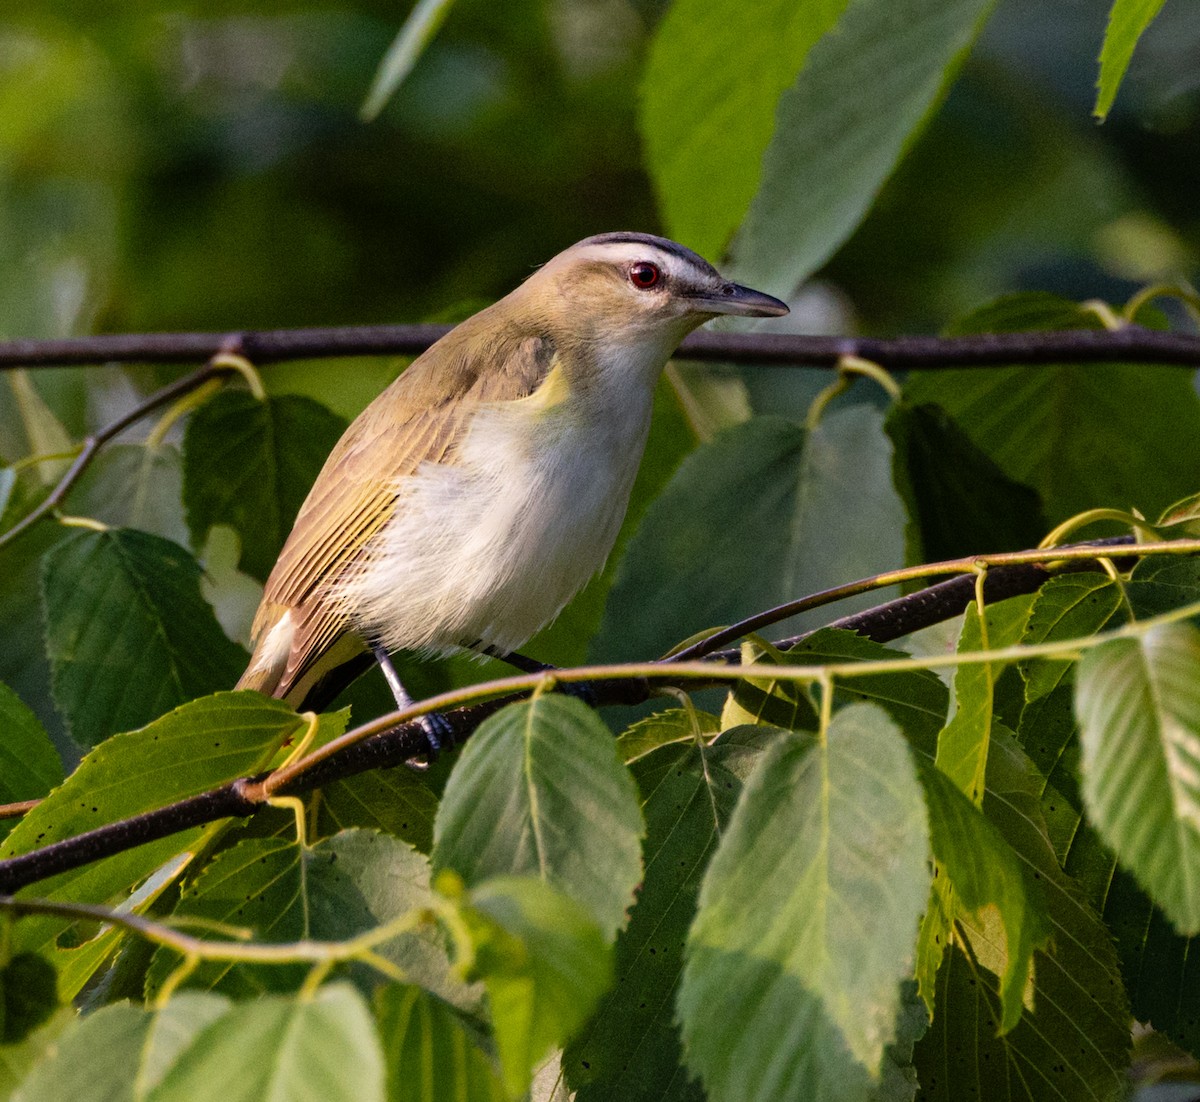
[634, 287]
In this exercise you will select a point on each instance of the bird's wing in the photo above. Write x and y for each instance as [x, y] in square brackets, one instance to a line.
[419, 419]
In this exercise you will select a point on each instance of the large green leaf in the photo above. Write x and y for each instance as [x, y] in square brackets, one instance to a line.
[1138, 702]
[119, 1053]
[1072, 1042]
[545, 964]
[250, 464]
[195, 748]
[29, 764]
[842, 127]
[540, 789]
[429, 1055]
[322, 1048]
[959, 501]
[765, 513]
[395, 801]
[128, 634]
[808, 917]
[631, 1048]
[705, 137]
[1045, 426]
[343, 886]
[1126, 22]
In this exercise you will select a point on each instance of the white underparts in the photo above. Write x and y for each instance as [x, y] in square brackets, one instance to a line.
[490, 549]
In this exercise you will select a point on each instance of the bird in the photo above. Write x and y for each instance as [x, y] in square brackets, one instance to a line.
[467, 504]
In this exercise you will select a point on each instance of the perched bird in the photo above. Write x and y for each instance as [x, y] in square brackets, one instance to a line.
[476, 495]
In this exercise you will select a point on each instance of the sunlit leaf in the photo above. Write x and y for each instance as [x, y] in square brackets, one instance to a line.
[962, 748]
[541, 790]
[128, 634]
[716, 129]
[808, 918]
[395, 801]
[1126, 22]
[418, 31]
[29, 764]
[544, 962]
[322, 1048]
[1139, 712]
[842, 127]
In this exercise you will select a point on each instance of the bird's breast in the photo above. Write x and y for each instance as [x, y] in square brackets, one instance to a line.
[489, 549]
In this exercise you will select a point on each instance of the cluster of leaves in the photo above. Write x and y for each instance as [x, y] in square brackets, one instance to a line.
[844, 881]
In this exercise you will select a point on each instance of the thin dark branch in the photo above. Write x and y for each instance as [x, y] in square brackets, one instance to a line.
[244, 796]
[92, 444]
[1133, 344]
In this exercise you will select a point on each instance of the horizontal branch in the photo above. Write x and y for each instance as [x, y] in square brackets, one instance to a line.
[245, 796]
[1131, 343]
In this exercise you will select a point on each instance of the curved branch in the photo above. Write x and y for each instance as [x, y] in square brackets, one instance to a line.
[246, 795]
[1131, 343]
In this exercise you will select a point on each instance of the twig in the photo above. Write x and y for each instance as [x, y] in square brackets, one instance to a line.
[92, 444]
[392, 747]
[1131, 343]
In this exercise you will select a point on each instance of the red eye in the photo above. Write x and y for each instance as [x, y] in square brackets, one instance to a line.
[644, 275]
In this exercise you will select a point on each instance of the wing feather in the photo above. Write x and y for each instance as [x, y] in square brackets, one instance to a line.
[418, 419]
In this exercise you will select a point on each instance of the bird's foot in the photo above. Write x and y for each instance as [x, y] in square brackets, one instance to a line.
[439, 735]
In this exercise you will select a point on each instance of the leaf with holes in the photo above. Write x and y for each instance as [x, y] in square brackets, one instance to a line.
[128, 634]
[249, 464]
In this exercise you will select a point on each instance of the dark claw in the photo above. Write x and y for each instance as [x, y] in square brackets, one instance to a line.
[581, 690]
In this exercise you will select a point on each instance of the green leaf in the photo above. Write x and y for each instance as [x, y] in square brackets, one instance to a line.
[962, 748]
[765, 513]
[395, 801]
[195, 748]
[17, 1060]
[134, 486]
[1071, 606]
[807, 918]
[766, 700]
[842, 127]
[250, 464]
[1072, 1041]
[1126, 22]
[540, 789]
[545, 964]
[631, 1048]
[418, 31]
[675, 725]
[705, 138]
[128, 634]
[917, 700]
[29, 764]
[28, 996]
[343, 886]
[991, 886]
[1163, 582]
[1044, 426]
[94, 1058]
[318, 1049]
[959, 502]
[1138, 702]
[429, 1055]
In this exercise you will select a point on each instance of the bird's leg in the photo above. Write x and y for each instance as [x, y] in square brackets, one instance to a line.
[580, 689]
[437, 728]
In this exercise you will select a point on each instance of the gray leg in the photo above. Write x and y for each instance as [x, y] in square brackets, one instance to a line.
[437, 728]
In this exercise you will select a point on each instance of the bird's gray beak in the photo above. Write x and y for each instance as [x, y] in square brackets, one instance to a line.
[733, 298]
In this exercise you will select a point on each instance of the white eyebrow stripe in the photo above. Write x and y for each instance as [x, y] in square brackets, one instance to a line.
[629, 252]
